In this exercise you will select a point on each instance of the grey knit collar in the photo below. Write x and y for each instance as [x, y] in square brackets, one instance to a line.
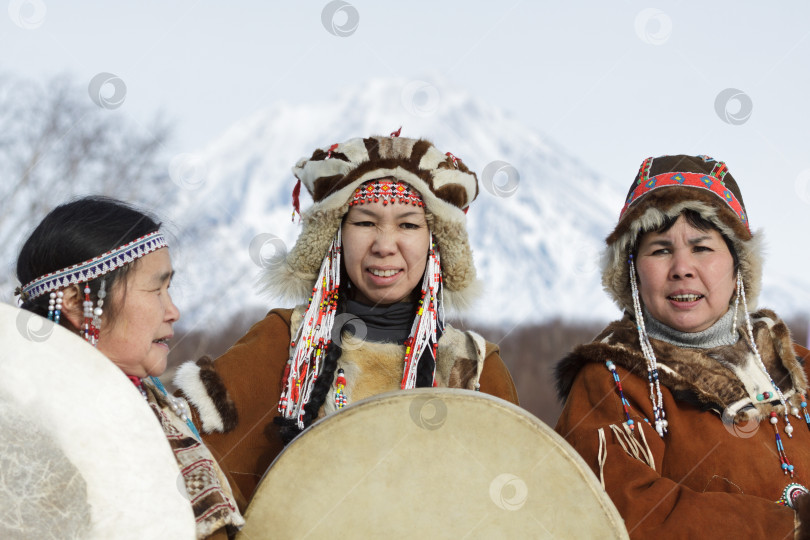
[717, 335]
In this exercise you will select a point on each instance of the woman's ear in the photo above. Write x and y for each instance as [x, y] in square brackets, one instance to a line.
[73, 307]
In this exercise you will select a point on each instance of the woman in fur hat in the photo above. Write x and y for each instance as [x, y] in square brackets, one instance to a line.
[382, 252]
[102, 269]
[691, 409]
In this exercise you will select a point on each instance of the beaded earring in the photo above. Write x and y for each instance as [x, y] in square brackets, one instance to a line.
[55, 306]
[92, 316]
[736, 302]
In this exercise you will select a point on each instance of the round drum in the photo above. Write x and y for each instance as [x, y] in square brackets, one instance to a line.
[81, 453]
[430, 463]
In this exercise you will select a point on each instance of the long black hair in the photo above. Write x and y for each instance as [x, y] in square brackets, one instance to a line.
[78, 231]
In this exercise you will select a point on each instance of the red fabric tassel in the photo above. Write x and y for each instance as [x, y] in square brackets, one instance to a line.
[296, 194]
[397, 132]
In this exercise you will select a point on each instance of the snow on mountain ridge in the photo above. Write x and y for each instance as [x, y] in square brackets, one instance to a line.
[536, 247]
[543, 236]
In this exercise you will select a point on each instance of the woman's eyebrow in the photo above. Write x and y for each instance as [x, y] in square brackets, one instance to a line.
[409, 214]
[366, 211]
[665, 242]
[699, 239]
[163, 277]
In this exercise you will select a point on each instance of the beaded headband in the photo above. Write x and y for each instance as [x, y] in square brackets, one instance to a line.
[386, 191]
[712, 182]
[96, 267]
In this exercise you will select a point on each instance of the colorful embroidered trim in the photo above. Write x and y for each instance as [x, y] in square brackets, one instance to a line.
[792, 492]
[96, 267]
[689, 179]
[644, 171]
[386, 191]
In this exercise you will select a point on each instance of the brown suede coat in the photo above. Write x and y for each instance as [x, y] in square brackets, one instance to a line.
[716, 473]
[244, 385]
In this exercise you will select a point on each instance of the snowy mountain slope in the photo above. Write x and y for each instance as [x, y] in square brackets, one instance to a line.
[537, 226]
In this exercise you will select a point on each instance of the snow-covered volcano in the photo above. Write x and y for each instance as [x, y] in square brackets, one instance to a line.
[537, 226]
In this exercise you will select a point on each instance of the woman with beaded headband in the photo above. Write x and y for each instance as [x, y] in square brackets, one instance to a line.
[383, 251]
[102, 269]
[691, 409]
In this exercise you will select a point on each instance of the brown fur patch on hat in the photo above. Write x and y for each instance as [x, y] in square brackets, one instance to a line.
[445, 183]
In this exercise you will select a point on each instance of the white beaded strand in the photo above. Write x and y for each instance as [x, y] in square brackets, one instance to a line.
[750, 328]
[656, 396]
[304, 363]
[429, 318]
[99, 309]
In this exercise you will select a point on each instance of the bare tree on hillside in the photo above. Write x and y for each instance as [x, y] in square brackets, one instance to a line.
[56, 144]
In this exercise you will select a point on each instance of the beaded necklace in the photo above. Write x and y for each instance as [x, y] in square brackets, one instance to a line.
[178, 406]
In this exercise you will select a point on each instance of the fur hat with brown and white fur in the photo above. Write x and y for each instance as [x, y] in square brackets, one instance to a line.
[663, 188]
[331, 176]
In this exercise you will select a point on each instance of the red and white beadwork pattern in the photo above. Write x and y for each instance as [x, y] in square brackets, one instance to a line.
[387, 191]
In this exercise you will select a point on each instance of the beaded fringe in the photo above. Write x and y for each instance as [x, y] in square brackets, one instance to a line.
[314, 335]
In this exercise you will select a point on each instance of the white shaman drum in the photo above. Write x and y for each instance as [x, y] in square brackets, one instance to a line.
[81, 453]
[427, 464]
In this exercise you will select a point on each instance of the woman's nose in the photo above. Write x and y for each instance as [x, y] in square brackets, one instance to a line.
[683, 265]
[172, 313]
[385, 242]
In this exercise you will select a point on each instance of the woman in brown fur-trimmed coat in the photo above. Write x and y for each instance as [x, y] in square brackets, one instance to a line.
[691, 410]
[383, 250]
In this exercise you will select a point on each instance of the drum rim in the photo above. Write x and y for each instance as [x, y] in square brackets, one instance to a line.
[584, 470]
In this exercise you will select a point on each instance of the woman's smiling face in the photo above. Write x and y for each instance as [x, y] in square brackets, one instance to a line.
[385, 250]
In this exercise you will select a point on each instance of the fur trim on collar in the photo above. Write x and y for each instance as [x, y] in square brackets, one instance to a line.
[724, 379]
[460, 363]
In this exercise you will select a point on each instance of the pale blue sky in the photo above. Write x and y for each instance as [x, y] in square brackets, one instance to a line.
[612, 82]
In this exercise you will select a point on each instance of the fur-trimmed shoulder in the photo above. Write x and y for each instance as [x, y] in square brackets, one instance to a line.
[714, 378]
[607, 345]
[204, 389]
[461, 358]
